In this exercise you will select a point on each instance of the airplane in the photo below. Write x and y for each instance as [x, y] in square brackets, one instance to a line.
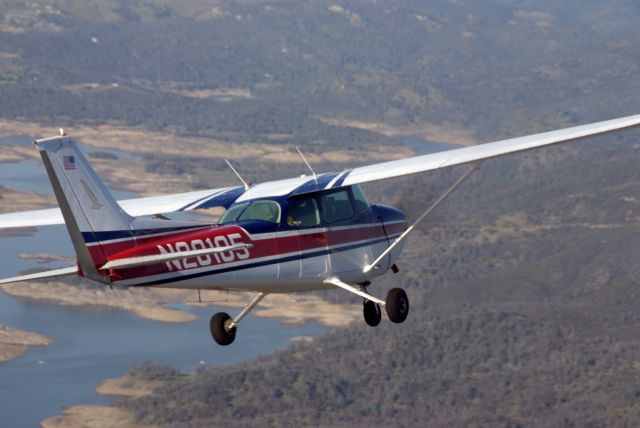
[300, 234]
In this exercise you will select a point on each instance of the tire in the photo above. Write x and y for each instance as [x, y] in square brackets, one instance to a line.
[218, 330]
[372, 313]
[397, 305]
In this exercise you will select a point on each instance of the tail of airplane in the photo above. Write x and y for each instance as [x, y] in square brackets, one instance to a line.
[97, 225]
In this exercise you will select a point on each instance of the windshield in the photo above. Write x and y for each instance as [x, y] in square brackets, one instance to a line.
[262, 210]
[257, 210]
[232, 213]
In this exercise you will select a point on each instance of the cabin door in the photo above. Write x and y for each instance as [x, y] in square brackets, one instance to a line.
[303, 244]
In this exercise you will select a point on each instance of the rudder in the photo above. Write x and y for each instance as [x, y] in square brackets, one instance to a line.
[87, 206]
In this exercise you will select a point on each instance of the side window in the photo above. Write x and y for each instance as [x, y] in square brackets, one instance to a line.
[303, 213]
[336, 206]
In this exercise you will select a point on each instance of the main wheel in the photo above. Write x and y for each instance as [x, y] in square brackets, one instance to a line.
[372, 313]
[397, 305]
[221, 334]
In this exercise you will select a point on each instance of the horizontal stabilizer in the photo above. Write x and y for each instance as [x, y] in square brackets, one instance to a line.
[152, 205]
[40, 275]
[161, 258]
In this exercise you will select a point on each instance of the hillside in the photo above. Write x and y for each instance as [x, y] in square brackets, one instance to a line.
[523, 287]
[526, 320]
[268, 70]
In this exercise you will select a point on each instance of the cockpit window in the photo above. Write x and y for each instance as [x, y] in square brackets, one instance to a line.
[336, 206]
[303, 213]
[256, 210]
[262, 210]
[232, 213]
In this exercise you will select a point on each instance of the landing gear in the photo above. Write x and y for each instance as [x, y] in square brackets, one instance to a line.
[223, 327]
[223, 333]
[372, 313]
[397, 305]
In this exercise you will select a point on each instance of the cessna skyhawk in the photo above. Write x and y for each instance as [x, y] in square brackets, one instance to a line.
[301, 234]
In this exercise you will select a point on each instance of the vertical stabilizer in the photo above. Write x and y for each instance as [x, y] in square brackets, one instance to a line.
[87, 206]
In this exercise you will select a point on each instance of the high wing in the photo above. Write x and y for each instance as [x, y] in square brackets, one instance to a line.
[480, 152]
[380, 171]
[416, 164]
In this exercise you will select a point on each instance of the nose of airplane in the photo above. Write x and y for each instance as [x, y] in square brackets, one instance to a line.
[390, 214]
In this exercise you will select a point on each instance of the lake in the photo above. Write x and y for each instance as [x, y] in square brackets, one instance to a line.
[92, 343]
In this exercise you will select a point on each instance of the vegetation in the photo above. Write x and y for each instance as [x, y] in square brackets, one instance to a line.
[523, 287]
[525, 322]
[159, 64]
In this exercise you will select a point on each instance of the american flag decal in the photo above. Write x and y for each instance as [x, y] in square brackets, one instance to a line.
[69, 163]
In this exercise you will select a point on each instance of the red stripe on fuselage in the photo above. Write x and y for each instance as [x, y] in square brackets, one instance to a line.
[266, 246]
[395, 228]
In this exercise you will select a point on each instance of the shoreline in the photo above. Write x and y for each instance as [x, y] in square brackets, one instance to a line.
[151, 303]
[92, 417]
[119, 136]
[95, 416]
[290, 309]
[437, 133]
[63, 293]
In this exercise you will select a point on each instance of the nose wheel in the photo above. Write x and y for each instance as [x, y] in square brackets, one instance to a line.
[372, 313]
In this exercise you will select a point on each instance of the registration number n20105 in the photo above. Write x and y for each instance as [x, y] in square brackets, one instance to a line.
[220, 241]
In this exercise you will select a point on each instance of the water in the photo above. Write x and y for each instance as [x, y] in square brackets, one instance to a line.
[30, 175]
[93, 343]
[425, 147]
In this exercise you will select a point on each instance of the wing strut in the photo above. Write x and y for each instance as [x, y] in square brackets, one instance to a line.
[441, 199]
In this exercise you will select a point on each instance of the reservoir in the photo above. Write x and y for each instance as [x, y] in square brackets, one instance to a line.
[93, 343]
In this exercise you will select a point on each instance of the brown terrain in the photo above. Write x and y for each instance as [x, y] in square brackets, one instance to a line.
[14, 343]
[102, 416]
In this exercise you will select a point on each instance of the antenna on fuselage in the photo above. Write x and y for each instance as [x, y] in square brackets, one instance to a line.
[246, 186]
[315, 177]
